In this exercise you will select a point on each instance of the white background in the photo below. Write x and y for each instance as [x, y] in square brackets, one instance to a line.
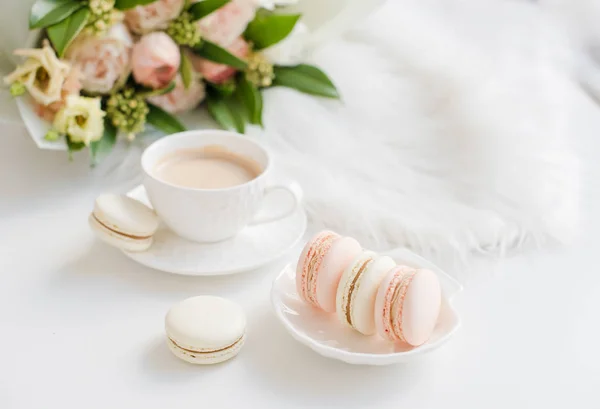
[82, 326]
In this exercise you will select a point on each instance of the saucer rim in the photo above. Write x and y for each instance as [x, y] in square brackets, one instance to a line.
[136, 191]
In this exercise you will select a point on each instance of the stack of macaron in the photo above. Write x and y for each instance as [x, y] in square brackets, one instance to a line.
[368, 292]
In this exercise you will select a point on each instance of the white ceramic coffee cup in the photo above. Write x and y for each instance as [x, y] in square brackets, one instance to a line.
[211, 215]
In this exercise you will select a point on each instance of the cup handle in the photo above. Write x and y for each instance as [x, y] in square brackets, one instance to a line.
[294, 190]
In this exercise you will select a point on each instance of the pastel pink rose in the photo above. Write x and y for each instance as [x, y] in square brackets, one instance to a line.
[105, 61]
[181, 99]
[229, 22]
[155, 60]
[154, 16]
[219, 73]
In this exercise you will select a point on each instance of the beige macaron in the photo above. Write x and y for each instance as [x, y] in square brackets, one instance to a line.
[123, 222]
[205, 330]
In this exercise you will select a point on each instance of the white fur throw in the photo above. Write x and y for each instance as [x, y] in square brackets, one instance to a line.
[453, 133]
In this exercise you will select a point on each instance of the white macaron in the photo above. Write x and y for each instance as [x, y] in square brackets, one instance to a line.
[355, 302]
[123, 222]
[205, 330]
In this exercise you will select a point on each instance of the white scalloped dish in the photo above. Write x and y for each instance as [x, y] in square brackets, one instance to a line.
[325, 335]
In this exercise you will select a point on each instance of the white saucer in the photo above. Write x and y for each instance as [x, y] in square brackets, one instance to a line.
[253, 247]
[324, 334]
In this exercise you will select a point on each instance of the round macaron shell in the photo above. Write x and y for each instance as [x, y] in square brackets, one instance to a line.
[118, 240]
[421, 307]
[363, 305]
[337, 259]
[350, 282]
[301, 273]
[208, 358]
[206, 325]
[125, 215]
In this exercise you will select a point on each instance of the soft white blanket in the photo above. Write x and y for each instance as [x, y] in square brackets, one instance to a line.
[454, 132]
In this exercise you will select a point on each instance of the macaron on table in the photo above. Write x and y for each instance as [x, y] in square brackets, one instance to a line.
[205, 330]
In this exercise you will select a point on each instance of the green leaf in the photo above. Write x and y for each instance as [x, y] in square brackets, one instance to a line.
[164, 121]
[307, 79]
[44, 13]
[225, 112]
[251, 99]
[149, 92]
[100, 149]
[219, 55]
[268, 29]
[73, 147]
[187, 70]
[224, 90]
[63, 33]
[204, 8]
[129, 4]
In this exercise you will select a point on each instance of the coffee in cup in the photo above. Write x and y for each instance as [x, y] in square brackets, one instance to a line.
[207, 186]
[209, 167]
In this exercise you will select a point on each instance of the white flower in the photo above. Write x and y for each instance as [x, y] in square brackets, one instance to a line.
[271, 4]
[42, 74]
[104, 61]
[82, 119]
[290, 50]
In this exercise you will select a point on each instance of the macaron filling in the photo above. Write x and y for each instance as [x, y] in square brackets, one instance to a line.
[358, 271]
[398, 304]
[207, 351]
[313, 262]
[394, 297]
[130, 236]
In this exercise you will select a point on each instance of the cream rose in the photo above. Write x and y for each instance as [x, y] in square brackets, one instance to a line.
[71, 86]
[181, 99]
[155, 60]
[104, 61]
[81, 119]
[154, 16]
[229, 22]
[42, 74]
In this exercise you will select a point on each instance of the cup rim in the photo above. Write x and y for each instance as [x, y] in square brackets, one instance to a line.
[167, 139]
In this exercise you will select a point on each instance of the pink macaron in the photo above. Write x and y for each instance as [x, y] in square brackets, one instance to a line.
[407, 305]
[321, 265]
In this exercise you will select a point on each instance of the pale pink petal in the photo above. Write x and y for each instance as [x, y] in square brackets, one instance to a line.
[154, 16]
[181, 99]
[229, 22]
[219, 73]
[156, 60]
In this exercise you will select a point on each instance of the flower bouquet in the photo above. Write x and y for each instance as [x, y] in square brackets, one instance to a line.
[103, 68]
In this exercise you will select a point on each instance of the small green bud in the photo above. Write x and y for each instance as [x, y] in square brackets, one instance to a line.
[184, 31]
[17, 89]
[259, 70]
[127, 111]
[52, 136]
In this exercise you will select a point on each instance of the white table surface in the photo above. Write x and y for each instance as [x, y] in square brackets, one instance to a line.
[82, 325]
